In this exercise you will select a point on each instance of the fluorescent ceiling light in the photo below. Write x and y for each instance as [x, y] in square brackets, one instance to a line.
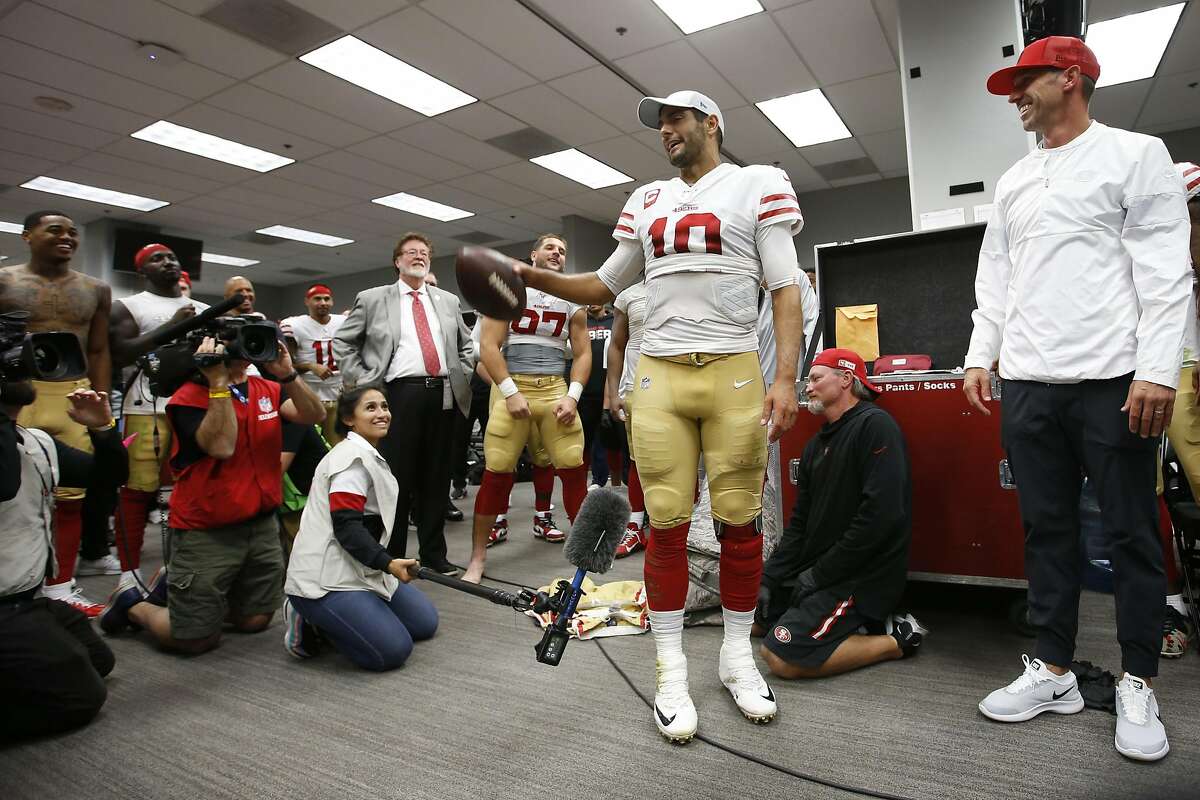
[233, 261]
[425, 208]
[301, 235]
[96, 195]
[11, 227]
[805, 118]
[168, 134]
[696, 15]
[581, 168]
[1130, 47]
[359, 63]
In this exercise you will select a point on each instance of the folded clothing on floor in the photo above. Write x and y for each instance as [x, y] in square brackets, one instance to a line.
[1097, 686]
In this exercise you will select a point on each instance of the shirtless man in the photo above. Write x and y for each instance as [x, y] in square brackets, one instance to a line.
[60, 299]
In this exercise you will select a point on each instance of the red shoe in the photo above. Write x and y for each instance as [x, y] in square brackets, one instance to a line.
[499, 532]
[544, 528]
[77, 601]
[634, 540]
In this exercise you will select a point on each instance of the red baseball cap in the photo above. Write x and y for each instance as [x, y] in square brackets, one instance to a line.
[841, 358]
[185, 278]
[1059, 52]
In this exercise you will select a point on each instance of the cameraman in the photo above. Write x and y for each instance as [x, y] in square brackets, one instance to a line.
[225, 560]
[52, 664]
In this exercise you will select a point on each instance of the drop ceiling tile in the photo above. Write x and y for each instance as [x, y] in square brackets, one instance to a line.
[311, 86]
[280, 112]
[750, 134]
[449, 143]
[676, 66]
[1182, 55]
[515, 34]
[629, 156]
[625, 27]
[873, 177]
[120, 183]
[888, 13]
[349, 14]
[53, 70]
[754, 55]
[527, 219]
[798, 169]
[21, 93]
[409, 158]
[829, 152]
[460, 198]
[273, 185]
[115, 165]
[538, 179]
[198, 40]
[26, 165]
[895, 173]
[604, 94]
[147, 153]
[53, 128]
[869, 105]
[48, 29]
[366, 169]
[219, 122]
[545, 109]
[1171, 98]
[499, 191]
[553, 209]
[326, 180]
[596, 206]
[422, 40]
[481, 120]
[38, 146]
[1119, 105]
[248, 217]
[888, 149]
[840, 40]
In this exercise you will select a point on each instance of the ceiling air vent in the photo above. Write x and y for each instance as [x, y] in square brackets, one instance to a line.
[853, 168]
[528, 143]
[273, 23]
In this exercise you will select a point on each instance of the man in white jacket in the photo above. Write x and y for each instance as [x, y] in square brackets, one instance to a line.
[1082, 291]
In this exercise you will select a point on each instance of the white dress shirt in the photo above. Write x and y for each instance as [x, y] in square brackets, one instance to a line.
[407, 361]
[1083, 273]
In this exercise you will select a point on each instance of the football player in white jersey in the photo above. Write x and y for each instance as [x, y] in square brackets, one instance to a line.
[704, 241]
[143, 415]
[532, 394]
[309, 337]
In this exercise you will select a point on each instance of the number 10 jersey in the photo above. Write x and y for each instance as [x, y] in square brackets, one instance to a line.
[701, 256]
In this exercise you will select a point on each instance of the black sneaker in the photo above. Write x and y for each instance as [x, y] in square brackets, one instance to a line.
[452, 512]
[907, 632]
[444, 567]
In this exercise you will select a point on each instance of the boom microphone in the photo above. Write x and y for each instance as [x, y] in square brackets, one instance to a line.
[591, 547]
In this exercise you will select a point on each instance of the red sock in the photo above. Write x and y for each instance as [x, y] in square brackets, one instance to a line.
[68, 530]
[616, 462]
[574, 481]
[665, 569]
[637, 500]
[543, 487]
[1164, 530]
[741, 565]
[135, 510]
[494, 490]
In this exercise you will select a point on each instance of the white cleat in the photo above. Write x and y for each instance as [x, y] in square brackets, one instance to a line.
[745, 683]
[674, 713]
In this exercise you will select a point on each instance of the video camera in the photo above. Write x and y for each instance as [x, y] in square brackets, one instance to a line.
[245, 338]
[41, 356]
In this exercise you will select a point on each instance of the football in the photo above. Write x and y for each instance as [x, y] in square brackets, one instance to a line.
[488, 282]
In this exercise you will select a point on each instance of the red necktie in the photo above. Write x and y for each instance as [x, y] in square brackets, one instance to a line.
[433, 365]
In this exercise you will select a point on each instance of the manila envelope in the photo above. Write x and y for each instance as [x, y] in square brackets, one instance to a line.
[857, 329]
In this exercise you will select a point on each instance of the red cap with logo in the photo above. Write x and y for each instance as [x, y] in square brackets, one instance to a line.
[841, 358]
[1058, 52]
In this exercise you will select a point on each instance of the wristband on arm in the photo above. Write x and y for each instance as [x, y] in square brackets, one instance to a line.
[575, 391]
[508, 387]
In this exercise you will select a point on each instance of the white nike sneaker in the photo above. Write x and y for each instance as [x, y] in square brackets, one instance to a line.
[1037, 690]
[674, 713]
[741, 677]
[1140, 732]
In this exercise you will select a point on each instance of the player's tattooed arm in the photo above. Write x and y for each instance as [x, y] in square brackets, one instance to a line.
[99, 355]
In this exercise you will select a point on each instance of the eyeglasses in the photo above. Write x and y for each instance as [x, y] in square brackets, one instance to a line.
[415, 253]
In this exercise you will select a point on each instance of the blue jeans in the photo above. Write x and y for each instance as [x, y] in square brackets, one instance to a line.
[374, 633]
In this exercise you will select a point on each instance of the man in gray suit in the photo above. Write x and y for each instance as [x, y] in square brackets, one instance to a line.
[410, 339]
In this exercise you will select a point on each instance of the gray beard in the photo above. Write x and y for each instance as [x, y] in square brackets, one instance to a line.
[816, 408]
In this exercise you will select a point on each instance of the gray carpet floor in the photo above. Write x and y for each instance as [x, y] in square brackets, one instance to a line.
[473, 715]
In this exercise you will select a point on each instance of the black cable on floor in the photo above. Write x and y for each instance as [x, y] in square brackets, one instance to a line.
[750, 756]
[733, 751]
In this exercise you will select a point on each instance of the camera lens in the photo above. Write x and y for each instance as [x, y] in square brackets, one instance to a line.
[47, 360]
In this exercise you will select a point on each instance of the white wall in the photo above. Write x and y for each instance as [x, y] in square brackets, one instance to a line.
[852, 212]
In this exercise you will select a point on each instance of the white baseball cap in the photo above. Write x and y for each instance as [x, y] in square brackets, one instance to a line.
[650, 107]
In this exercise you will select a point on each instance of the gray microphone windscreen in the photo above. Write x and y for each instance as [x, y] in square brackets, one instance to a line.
[597, 531]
